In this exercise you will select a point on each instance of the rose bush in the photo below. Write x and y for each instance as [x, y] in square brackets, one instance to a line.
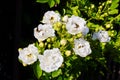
[68, 42]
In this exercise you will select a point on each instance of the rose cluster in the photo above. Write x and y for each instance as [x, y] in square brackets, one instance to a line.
[67, 29]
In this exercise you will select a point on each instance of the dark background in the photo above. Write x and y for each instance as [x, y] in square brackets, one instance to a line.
[17, 20]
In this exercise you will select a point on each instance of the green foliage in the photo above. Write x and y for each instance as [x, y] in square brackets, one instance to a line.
[56, 73]
[42, 1]
[102, 16]
[37, 70]
[51, 3]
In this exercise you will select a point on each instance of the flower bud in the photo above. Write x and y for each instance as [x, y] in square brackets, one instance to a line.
[24, 64]
[65, 18]
[53, 39]
[19, 49]
[71, 39]
[59, 24]
[45, 43]
[63, 42]
[49, 46]
[68, 53]
[41, 44]
[107, 26]
[92, 6]
[79, 35]
[48, 40]
[109, 1]
[100, 7]
[63, 27]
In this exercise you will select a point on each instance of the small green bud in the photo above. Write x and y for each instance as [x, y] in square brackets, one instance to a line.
[100, 7]
[48, 40]
[92, 6]
[109, 1]
[49, 46]
[24, 64]
[71, 39]
[52, 39]
[85, 7]
[63, 27]
[108, 26]
[68, 53]
[79, 35]
[105, 14]
[63, 42]
[59, 24]
[41, 44]
[45, 43]
[112, 33]
[19, 49]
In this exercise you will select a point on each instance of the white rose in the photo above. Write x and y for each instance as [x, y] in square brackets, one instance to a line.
[50, 17]
[51, 60]
[28, 55]
[42, 32]
[81, 47]
[76, 25]
[102, 36]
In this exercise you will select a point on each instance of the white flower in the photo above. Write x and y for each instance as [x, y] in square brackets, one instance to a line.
[76, 25]
[28, 55]
[50, 17]
[81, 47]
[42, 32]
[51, 60]
[102, 36]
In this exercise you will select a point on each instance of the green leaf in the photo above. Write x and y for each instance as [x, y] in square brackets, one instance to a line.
[59, 78]
[57, 1]
[42, 1]
[37, 70]
[56, 73]
[114, 4]
[115, 1]
[114, 11]
[51, 3]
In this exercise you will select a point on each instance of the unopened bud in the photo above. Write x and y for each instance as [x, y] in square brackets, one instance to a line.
[109, 1]
[24, 64]
[79, 35]
[52, 38]
[92, 6]
[48, 40]
[41, 44]
[65, 18]
[59, 24]
[63, 27]
[71, 39]
[68, 53]
[19, 49]
[49, 46]
[107, 26]
[63, 42]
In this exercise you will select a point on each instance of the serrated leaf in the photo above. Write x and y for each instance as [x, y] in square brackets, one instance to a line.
[56, 73]
[114, 11]
[37, 70]
[42, 1]
[51, 3]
